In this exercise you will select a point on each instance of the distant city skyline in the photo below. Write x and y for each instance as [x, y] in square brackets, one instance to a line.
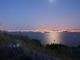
[39, 14]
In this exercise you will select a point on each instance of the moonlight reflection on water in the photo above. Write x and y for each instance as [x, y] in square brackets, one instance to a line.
[53, 38]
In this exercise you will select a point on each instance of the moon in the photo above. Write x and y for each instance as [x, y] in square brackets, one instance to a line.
[52, 1]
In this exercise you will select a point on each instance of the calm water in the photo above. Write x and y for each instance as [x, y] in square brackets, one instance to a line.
[67, 38]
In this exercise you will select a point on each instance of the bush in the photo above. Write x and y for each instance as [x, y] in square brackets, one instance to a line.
[36, 42]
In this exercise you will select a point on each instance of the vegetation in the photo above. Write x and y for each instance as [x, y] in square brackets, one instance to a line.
[36, 42]
[59, 50]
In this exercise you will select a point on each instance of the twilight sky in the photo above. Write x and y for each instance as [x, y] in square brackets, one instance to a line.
[31, 14]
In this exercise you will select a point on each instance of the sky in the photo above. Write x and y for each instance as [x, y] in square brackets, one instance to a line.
[32, 14]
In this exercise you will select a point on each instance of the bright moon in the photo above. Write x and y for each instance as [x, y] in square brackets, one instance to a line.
[52, 1]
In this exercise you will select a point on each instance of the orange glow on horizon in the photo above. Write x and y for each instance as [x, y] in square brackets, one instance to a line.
[45, 30]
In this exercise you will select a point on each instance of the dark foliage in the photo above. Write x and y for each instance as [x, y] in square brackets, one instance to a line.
[13, 54]
[36, 42]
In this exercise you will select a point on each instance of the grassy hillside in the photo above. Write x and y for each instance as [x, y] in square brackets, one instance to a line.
[56, 50]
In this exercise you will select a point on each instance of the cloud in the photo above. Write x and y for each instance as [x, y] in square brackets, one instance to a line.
[52, 1]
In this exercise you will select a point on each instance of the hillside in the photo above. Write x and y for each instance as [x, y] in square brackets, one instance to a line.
[18, 47]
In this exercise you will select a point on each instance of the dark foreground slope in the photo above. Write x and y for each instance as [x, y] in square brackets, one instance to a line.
[17, 47]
